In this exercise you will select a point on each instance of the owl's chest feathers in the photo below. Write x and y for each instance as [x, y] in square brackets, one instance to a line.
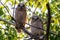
[35, 30]
[38, 24]
[20, 13]
[20, 16]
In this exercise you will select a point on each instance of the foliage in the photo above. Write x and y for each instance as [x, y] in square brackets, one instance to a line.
[9, 33]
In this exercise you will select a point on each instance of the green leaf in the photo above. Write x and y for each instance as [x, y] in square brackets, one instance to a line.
[1, 11]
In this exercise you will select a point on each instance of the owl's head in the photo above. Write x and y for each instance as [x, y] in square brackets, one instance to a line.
[21, 7]
[35, 17]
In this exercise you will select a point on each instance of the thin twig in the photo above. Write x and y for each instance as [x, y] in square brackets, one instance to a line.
[7, 21]
[7, 11]
[3, 28]
[36, 8]
[5, 8]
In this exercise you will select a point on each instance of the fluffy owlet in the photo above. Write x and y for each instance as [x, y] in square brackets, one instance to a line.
[20, 16]
[36, 23]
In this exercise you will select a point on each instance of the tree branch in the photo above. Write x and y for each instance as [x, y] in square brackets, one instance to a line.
[48, 22]
[24, 29]
[14, 23]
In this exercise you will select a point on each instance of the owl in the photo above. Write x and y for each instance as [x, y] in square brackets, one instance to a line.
[20, 16]
[36, 23]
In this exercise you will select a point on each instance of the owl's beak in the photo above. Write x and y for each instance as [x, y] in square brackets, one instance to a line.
[21, 6]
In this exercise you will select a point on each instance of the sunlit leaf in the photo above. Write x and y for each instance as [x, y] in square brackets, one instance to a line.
[1, 11]
[44, 8]
[56, 21]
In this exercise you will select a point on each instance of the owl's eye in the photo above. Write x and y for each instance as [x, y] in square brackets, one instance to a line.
[35, 18]
[18, 5]
[23, 5]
